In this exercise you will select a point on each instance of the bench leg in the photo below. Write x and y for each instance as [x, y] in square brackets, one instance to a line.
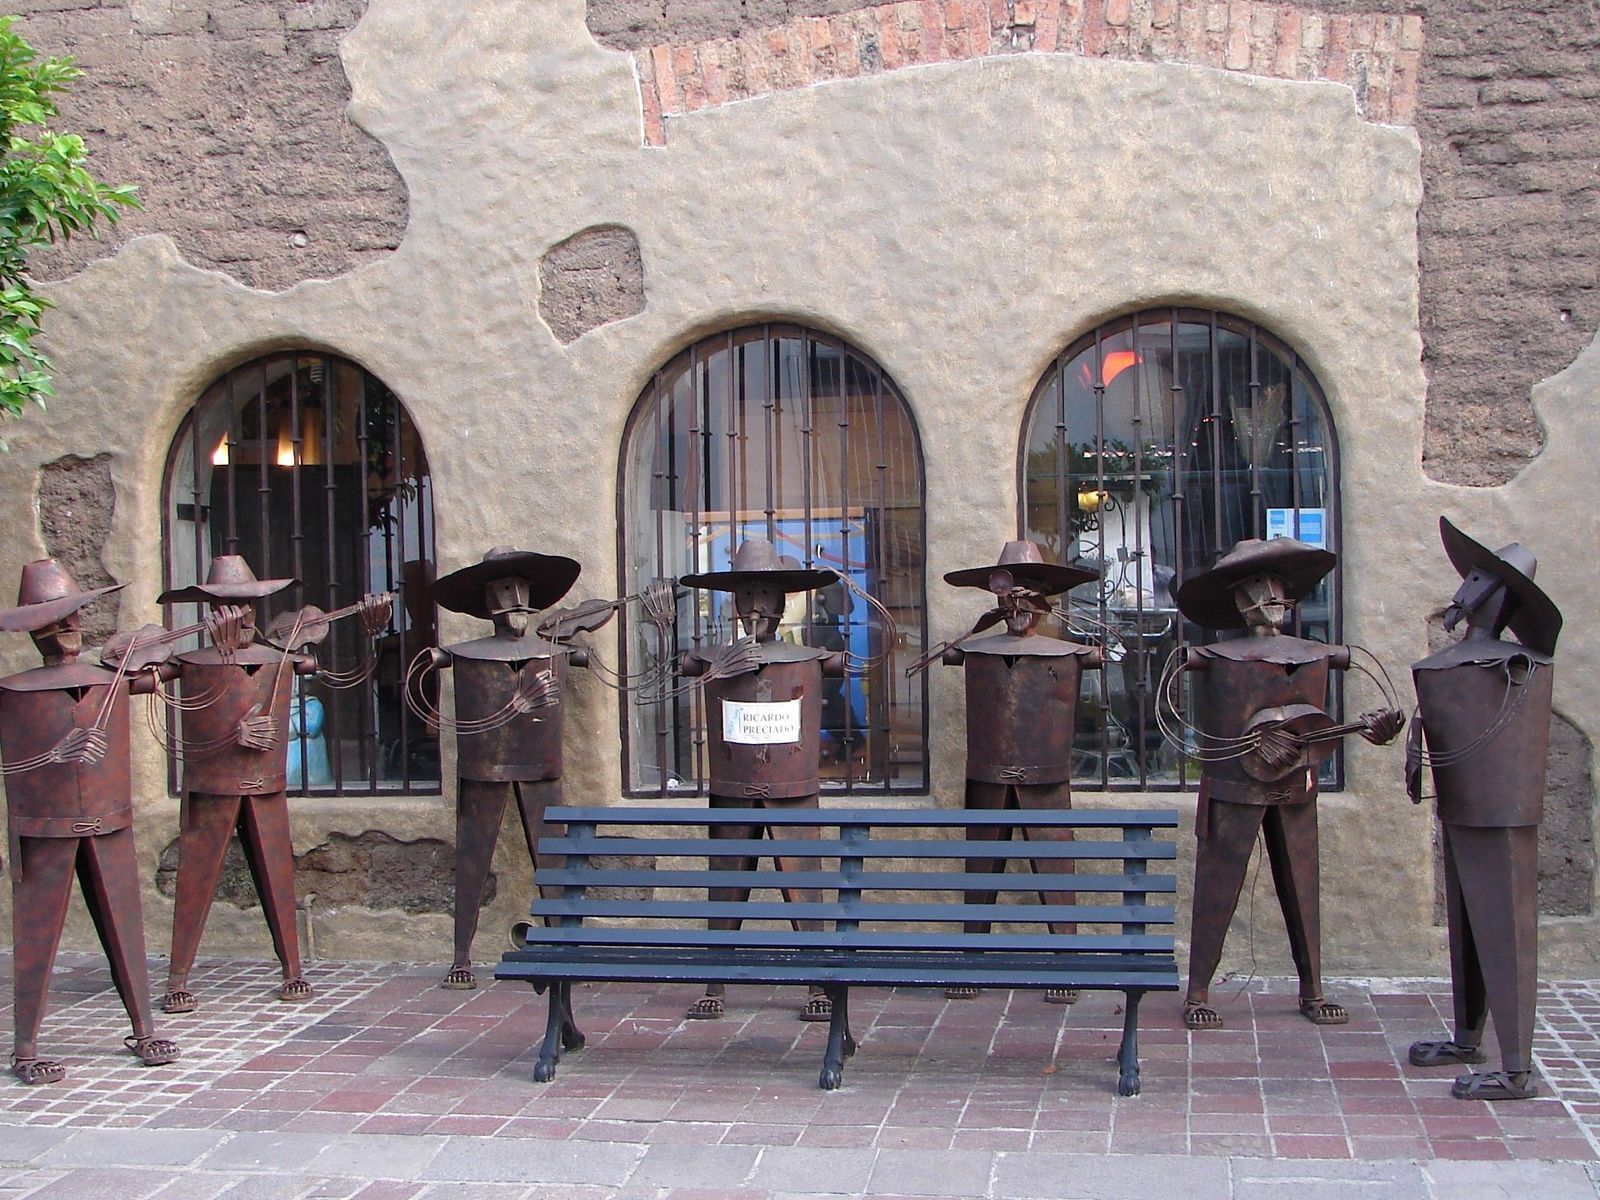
[1128, 1055]
[571, 1036]
[840, 1043]
[555, 1023]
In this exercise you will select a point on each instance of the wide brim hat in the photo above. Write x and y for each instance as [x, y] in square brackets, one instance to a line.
[228, 578]
[549, 577]
[1536, 620]
[758, 561]
[1207, 598]
[1024, 561]
[46, 595]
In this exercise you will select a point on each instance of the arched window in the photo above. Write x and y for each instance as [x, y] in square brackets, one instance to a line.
[779, 432]
[1151, 445]
[308, 466]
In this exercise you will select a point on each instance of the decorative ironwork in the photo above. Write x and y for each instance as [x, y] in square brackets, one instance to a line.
[782, 433]
[1151, 445]
[310, 467]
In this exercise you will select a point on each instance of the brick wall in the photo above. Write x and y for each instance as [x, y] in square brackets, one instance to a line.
[1377, 54]
[229, 115]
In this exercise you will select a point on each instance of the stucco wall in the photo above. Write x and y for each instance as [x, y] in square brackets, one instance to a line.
[958, 222]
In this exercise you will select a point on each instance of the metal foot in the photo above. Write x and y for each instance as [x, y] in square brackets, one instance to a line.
[838, 1037]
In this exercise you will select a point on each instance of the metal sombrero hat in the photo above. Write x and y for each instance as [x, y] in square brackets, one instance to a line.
[47, 594]
[1207, 598]
[1025, 563]
[229, 578]
[758, 561]
[1536, 621]
[549, 577]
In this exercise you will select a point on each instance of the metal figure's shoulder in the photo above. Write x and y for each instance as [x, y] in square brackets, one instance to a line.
[1037, 645]
[1282, 650]
[504, 649]
[253, 655]
[59, 678]
[788, 652]
[1481, 652]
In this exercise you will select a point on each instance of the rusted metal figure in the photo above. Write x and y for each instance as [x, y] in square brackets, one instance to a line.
[1022, 705]
[508, 690]
[764, 715]
[1263, 732]
[69, 806]
[1484, 707]
[234, 750]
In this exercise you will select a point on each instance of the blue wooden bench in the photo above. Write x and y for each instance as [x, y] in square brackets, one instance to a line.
[891, 914]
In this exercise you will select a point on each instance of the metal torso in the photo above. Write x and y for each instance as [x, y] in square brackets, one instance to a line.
[255, 681]
[488, 672]
[1463, 691]
[1022, 703]
[37, 709]
[777, 771]
[1244, 676]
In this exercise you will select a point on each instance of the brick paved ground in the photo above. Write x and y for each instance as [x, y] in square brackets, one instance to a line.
[385, 1077]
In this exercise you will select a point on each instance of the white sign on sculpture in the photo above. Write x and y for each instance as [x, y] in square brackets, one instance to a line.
[761, 724]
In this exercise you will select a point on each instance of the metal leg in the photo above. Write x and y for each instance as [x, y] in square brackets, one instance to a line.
[550, 1052]
[838, 1033]
[1128, 1054]
[571, 1036]
[843, 1006]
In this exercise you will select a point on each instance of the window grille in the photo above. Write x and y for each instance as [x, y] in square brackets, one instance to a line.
[779, 432]
[1151, 446]
[308, 466]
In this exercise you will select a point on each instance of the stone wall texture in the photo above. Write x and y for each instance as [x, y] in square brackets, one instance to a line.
[229, 115]
[591, 279]
[77, 503]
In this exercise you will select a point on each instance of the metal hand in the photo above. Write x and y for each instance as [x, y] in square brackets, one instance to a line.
[255, 732]
[86, 746]
[535, 692]
[374, 612]
[1382, 725]
[228, 626]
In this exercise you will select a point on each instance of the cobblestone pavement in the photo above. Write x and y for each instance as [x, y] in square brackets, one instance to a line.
[387, 1088]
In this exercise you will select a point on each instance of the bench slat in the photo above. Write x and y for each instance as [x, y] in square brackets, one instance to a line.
[947, 881]
[739, 940]
[588, 844]
[887, 818]
[783, 910]
[916, 972]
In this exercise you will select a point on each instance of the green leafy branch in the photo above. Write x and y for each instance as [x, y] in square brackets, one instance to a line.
[46, 193]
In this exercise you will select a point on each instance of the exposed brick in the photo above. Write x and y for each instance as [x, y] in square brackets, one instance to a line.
[1116, 12]
[932, 30]
[1237, 56]
[1163, 14]
[1094, 28]
[1286, 60]
[1047, 25]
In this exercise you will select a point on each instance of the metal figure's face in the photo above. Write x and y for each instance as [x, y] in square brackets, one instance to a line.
[1263, 603]
[508, 603]
[1021, 610]
[61, 641]
[760, 608]
[246, 635]
[1482, 601]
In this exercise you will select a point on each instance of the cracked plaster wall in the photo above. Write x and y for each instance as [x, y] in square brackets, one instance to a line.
[959, 223]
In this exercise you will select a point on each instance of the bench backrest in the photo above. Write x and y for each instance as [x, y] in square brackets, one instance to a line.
[881, 877]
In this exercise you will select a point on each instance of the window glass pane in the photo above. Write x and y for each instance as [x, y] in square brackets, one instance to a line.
[1152, 446]
[776, 432]
[310, 468]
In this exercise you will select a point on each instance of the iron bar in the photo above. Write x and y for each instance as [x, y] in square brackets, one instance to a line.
[1100, 495]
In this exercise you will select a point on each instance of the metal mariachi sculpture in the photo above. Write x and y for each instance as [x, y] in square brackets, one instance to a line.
[234, 699]
[64, 741]
[1263, 732]
[1022, 702]
[764, 717]
[1484, 706]
[508, 711]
